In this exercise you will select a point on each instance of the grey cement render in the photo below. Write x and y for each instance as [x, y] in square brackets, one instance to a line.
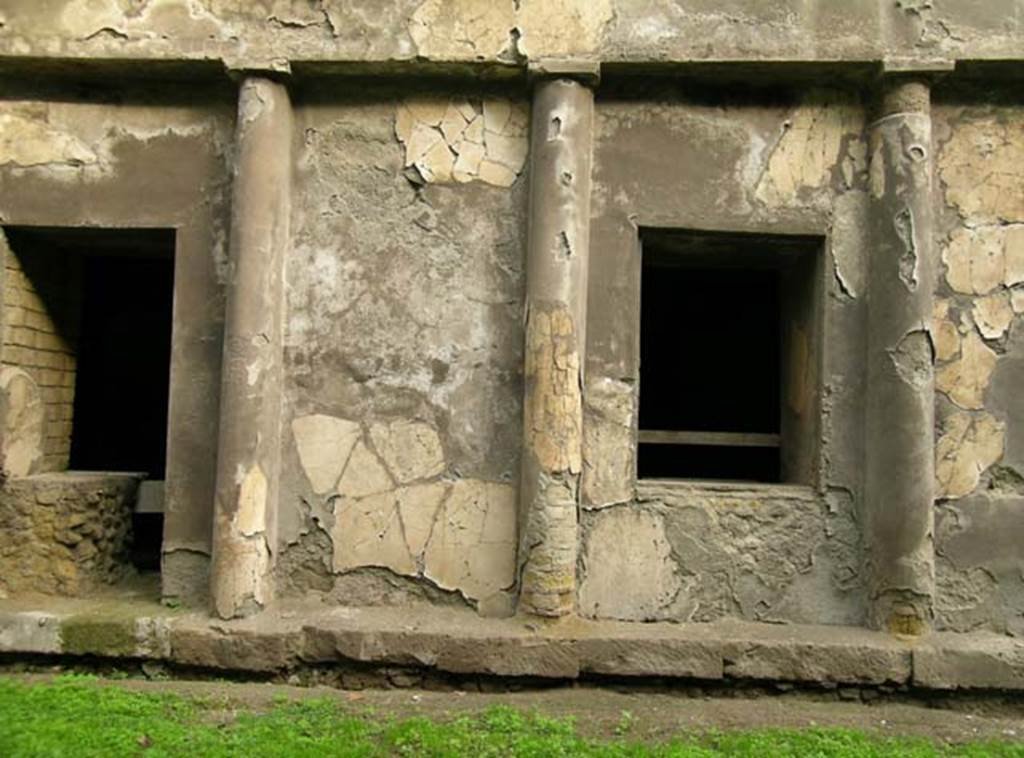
[404, 287]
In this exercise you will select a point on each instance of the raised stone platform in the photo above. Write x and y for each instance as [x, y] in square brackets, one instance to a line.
[455, 641]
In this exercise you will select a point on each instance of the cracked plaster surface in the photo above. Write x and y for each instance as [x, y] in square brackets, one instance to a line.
[810, 146]
[391, 509]
[462, 140]
[968, 444]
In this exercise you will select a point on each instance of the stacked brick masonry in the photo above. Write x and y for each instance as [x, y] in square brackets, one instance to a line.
[41, 307]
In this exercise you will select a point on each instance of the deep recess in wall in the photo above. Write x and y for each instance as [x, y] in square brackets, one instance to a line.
[716, 318]
[119, 329]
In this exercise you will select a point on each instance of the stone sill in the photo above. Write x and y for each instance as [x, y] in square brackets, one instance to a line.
[654, 489]
[454, 640]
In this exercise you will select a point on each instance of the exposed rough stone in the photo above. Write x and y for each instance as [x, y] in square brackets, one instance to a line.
[630, 574]
[968, 444]
[944, 332]
[808, 147]
[364, 474]
[993, 314]
[324, 444]
[1017, 300]
[22, 417]
[411, 449]
[460, 140]
[472, 546]
[965, 380]
[608, 447]
[982, 166]
[65, 533]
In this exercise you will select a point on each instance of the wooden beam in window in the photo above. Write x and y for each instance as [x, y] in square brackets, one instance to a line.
[722, 439]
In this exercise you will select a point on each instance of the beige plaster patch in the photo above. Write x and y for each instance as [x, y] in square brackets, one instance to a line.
[808, 148]
[553, 30]
[411, 449]
[965, 380]
[251, 518]
[982, 168]
[368, 532]
[458, 140]
[976, 259]
[993, 314]
[30, 142]
[608, 442]
[472, 548]
[324, 444]
[364, 474]
[967, 445]
[630, 572]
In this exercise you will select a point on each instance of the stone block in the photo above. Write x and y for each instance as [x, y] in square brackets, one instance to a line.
[961, 661]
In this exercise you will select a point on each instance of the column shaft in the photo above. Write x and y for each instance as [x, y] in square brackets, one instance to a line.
[899, 486]
[249, 445]
[561, 143]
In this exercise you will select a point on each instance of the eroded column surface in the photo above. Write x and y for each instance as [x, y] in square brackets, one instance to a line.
[561, 141]
[248, 453]
[900, 420]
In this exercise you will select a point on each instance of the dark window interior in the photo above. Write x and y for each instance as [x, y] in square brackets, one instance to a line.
[712, 353]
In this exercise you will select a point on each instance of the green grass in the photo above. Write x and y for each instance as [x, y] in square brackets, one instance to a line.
[73, 716]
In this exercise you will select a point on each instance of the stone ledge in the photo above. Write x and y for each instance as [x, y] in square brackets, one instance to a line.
[458, 641]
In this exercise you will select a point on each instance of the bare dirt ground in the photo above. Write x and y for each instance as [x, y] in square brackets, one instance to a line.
[604, 712]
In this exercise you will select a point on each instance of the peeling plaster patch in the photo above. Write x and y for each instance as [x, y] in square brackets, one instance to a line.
[630, 573]
[559, 29]
[417, 507]
[22, 423]
[982, 167]
[86, 18]
[847, 242]
[944, 331]
[552, 416]
[472, 547]
[913, 358]
[978, 260]
[904, 224]
[368, 532]
[411, 449]
[1017, 300]
[808, 148]
[364, 474]
[324, 444]
[608, 442]
[965, 380]
[463, 30]
[28, 142]
[489, 29]
[968, 444]
[458, 141]
[251, 518]
[993, 314]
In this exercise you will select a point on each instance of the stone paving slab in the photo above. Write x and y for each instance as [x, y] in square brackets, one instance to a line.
[459, 642]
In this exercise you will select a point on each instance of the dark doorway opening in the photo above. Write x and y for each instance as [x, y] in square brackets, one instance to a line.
[111, 308]
[716, 320]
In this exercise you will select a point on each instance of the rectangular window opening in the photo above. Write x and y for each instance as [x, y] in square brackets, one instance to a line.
[728, 379]
[90, 320]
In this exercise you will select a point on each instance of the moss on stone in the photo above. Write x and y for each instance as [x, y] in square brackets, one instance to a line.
[93, 635]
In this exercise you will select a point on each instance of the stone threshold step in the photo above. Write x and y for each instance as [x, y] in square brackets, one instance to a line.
[458, 641]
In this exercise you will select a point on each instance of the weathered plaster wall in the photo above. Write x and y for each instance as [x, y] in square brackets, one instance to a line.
[506, 31]
[979, 345]
[404, 347]
[153, 159]
[779, 162]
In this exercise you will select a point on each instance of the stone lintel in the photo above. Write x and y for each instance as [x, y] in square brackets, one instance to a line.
[924, 67]
[241, 68]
